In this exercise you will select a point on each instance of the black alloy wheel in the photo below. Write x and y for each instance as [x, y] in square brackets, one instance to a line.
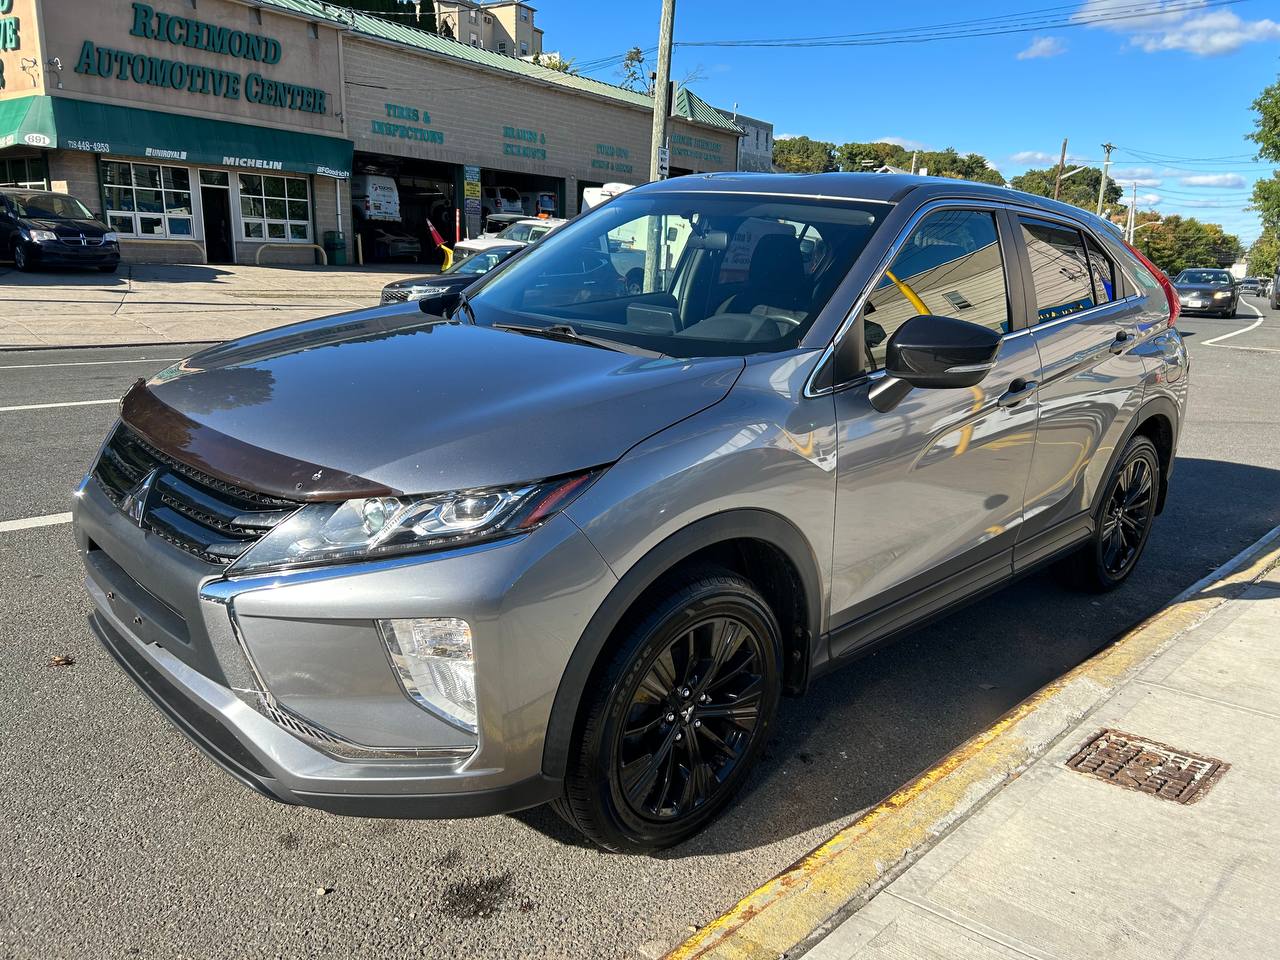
[1124, 519]
[678, 717]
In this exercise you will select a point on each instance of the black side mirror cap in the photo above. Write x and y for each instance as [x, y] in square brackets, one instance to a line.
[941, 352]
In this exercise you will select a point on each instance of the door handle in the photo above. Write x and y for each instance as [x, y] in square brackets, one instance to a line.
[1121, 341]
[1018, 391]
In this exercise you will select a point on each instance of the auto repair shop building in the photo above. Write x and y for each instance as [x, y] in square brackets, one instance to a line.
[228, 130]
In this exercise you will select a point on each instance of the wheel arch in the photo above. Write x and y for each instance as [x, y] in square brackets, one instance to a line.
[711, 540]
[1157, 419]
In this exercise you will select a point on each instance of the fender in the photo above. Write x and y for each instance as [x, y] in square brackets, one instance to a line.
[718, 528]
[1159, 404]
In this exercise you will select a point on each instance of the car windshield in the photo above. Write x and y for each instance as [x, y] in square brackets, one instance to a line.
[1204, 276]
[687, 274]
[49, 206]
[517, 231]
[480, 263]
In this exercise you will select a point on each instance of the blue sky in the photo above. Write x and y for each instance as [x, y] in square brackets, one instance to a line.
[1177, 84]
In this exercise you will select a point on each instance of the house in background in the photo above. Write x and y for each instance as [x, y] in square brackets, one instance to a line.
[500, 26]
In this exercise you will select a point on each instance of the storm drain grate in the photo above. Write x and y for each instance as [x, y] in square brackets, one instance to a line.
[1139, 764]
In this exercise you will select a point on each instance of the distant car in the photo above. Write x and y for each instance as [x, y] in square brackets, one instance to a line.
[439, 292]
[1273, 291]
[498, 222]
[1207, 291]
[526, 230]
[1251, 285]
[42, 228]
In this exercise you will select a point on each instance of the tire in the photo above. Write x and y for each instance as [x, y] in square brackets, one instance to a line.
[20, 259]
[686, 728]
[1122, 522]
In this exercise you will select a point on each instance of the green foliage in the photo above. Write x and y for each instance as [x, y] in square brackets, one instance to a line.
[1080, 190]
[632, 72]
[555, 62]
[859, 157]
[802, 155]
[1266, 200]
[1175, 243]
[1267, 132]
[1265, 254]
[421, 15]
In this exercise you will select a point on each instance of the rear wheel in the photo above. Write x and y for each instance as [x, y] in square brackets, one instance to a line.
[671, 729]
[1123, 521]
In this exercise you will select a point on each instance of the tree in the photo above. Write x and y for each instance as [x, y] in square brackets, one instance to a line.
[1264, 255]
[413, 13]
[1266, 134]
[858, 157]
[633, 73]
[802, 155]
[1080, 190]
[555, 62]
[1175, 243]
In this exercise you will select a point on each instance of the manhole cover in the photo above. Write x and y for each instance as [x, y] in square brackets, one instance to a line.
[1139, 764]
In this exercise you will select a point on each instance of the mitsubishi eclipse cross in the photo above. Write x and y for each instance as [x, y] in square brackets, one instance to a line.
[573, 543]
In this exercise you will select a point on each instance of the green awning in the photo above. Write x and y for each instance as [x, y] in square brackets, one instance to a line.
[129, 132]
[27, 121]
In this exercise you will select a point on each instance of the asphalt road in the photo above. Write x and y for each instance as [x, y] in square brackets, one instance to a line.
[117, 838]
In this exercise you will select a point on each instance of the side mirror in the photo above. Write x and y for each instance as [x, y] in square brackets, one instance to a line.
[934, 353]
[441, 305]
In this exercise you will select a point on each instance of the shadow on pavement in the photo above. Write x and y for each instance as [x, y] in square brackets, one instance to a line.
[868, 728]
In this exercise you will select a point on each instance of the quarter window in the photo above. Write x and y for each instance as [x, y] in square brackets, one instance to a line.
[1060, 270]
[275, 208]
[1103, 270]
[147, 199]
[950, 266]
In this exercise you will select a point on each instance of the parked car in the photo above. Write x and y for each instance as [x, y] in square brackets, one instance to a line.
[43, 228]
[574, 545]
[439, 292]
[1273, 291]
[496, 223]
[526, 230]
[499, 199]
[1208, 291]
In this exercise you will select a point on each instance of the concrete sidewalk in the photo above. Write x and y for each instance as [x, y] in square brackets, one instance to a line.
[1060, 864]
[157, 303]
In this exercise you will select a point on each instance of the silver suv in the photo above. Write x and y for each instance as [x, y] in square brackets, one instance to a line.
[574, 543]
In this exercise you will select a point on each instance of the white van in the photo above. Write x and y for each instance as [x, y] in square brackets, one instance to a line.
[502, 200]
[375, 197]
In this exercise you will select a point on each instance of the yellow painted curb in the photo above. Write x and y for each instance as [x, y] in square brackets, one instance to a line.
[867, 854]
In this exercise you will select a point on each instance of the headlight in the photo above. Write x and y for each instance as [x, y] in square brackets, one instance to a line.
[42, 236]
[375, 527]
[111, 237]
[421, 293]
[1222, 294]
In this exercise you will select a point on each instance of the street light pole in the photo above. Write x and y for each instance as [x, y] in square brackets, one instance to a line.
[662, 86]
[1102, 187]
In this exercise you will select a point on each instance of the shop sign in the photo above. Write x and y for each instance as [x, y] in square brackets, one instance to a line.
[613, 158]
[523, 142]
[417, 125]
[253, 87]
[696, 148]
[9, 29]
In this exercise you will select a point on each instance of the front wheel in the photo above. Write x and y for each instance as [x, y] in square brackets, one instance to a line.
[679, 716]
[1123, 521]
[20, 259]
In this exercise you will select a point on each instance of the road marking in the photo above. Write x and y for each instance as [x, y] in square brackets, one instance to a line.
[48, 520]
[85, 363]
[1236, 333]
[46, 406]
[851, 867]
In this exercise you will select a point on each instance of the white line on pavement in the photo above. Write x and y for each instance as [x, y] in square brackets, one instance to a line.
[48, 520]
[46, 406]
[1236, 333]
[85, 363]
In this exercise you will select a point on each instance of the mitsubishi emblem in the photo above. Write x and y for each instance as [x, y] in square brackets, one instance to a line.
[134, 504]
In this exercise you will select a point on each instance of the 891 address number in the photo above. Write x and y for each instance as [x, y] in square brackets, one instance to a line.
[93, 146]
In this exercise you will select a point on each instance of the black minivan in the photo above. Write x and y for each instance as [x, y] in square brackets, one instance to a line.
[43, 228]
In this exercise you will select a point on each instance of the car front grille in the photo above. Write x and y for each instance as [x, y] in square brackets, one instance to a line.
[395, 296]
[214, 520]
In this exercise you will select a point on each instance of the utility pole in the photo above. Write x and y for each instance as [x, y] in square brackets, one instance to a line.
[1106, 165]
[1133, 214]
[662, 86]
[1062, 162]
[914, 155]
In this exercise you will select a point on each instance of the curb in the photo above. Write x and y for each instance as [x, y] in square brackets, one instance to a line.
[842, 874]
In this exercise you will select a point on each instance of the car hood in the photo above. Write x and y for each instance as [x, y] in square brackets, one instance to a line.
[450, 280]
[385, 401]
[90, 228]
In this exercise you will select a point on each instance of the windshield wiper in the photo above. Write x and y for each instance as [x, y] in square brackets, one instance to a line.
[567, 334]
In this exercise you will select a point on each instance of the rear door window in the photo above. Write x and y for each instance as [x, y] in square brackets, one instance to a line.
[1060, 269]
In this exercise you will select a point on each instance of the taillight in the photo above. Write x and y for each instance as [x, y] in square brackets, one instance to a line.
[1175, 305]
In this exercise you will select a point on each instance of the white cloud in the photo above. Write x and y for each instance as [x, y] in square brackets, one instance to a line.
[1144, 199]
[1031, 156]
[902, 142]
[1042, 47]
[785, 136]
[1204, 34]
[1213, 180]
[1213, 203]
[1128, 181]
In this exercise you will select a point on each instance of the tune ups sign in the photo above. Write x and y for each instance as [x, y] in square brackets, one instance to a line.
[182, 31]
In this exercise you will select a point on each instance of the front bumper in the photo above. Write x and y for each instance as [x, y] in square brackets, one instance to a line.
[282, 680]
[72, 255]
[1206, 305]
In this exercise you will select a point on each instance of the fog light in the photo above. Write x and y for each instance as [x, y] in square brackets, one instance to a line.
[434, 661]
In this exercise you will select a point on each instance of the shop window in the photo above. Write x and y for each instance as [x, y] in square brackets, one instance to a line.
[147, 199]
[215, 178]
[28, 172]
[275, 208]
